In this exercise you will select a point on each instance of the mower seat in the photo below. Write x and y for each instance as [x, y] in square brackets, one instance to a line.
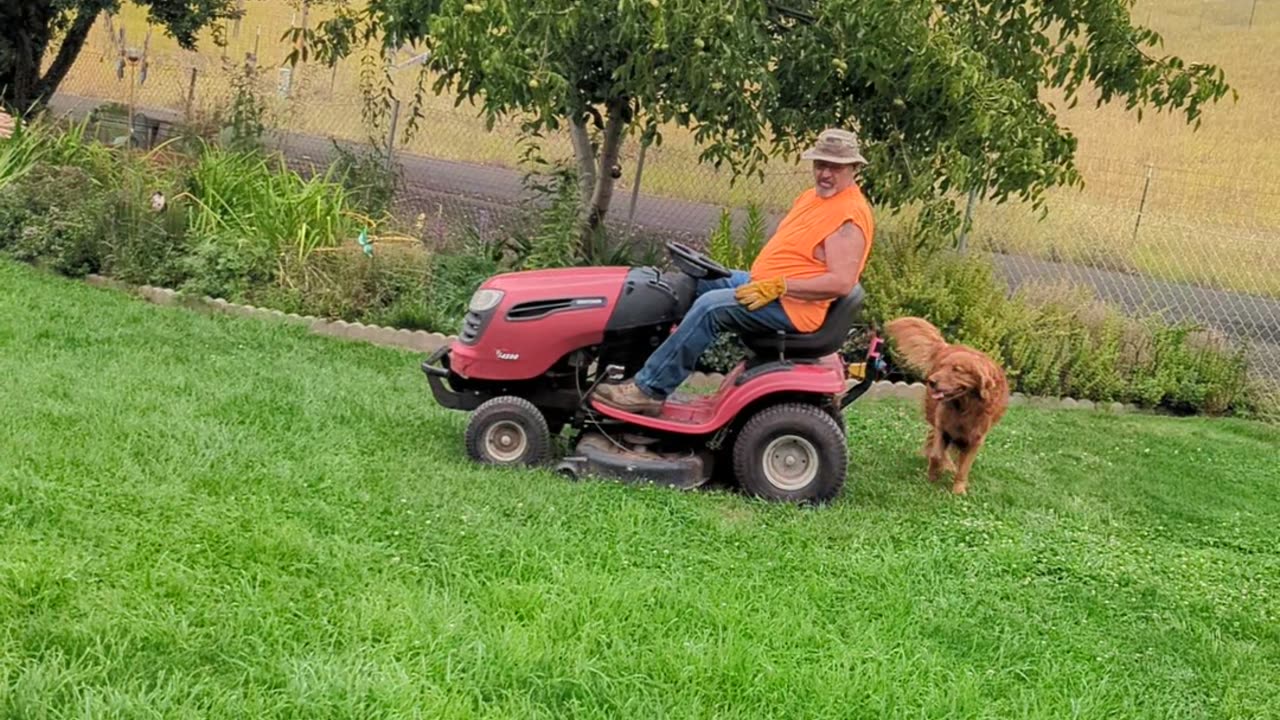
[841, 315]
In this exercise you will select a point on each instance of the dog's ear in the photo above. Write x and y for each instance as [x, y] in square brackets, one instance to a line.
[986, 383]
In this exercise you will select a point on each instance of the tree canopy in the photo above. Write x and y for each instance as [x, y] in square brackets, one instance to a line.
[29, 29]
[947, 96]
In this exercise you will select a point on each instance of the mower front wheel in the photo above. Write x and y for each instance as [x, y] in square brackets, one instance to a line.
[508, 431]
[793, 452]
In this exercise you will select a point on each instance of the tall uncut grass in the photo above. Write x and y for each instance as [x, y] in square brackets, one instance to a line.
[246, 196]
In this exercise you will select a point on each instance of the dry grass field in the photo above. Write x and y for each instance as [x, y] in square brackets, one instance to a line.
[1212, 208]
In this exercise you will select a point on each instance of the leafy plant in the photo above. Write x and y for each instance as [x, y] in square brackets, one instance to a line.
[556, 242]
[454, 275]
[370, 178]
[246, 121]
[738, 253]
[53, 216]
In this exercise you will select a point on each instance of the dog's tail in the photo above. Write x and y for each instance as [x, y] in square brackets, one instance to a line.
[916, 340]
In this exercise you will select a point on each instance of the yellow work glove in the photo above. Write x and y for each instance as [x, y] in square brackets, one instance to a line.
[761, 292]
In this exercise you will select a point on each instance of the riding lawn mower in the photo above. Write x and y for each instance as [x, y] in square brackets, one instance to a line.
[534, 345]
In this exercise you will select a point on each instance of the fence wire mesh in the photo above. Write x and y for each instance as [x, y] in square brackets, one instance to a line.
[1198, 243]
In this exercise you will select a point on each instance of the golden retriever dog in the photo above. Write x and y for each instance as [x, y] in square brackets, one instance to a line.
[966, 394]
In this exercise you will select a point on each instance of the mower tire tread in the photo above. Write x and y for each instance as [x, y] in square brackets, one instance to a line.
[514, 410]
[814, 424]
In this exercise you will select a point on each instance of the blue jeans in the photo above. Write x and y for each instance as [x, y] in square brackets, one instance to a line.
[714, 311]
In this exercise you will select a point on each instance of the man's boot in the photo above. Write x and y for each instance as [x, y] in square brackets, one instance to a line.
[627, 397]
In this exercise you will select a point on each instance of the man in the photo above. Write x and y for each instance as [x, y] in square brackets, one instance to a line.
[816, 255]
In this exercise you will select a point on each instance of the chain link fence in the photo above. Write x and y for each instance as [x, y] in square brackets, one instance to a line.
[1189, 244]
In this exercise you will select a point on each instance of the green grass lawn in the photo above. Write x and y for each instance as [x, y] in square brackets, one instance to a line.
[217, 517]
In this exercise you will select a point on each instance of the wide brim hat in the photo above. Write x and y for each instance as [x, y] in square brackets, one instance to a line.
[836, 146]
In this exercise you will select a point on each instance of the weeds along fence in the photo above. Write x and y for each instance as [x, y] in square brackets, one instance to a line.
[1199, 244]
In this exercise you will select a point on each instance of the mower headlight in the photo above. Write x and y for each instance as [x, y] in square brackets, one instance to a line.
[485, 300]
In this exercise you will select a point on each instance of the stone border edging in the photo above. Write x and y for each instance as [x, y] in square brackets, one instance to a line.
[426, 342]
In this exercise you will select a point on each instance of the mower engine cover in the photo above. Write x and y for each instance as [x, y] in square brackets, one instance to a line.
[518, 325]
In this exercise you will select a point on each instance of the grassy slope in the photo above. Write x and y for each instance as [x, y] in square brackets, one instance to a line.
[204, 516]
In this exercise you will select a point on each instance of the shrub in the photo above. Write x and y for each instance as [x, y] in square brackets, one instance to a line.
[455, 272]
[53, 216]
[1055, 339]
[248, 217]
[371, 181]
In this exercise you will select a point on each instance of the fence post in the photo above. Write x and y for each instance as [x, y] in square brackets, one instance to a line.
[391, 136]
[191, 94]
[1142, 206]
[1252, 11]
[635, 190]
[962, 243]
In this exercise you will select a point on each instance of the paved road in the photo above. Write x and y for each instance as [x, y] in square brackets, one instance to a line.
[483, 190]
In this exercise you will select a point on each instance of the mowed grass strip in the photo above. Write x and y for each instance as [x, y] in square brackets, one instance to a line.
[204, 516]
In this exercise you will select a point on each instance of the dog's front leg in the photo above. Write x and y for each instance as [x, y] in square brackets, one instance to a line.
[936, 452]
[960, 485]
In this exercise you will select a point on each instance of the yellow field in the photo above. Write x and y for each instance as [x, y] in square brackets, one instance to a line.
[1212, 209]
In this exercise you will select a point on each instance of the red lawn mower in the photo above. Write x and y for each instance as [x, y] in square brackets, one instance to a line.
[534, 345]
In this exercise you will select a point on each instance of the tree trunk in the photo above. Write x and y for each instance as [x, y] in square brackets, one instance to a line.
[586, 157]
[615, 124]
[72, 44]
[26, 72]
[28, 26]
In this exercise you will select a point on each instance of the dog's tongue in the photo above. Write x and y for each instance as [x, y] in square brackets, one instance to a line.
[938, 394]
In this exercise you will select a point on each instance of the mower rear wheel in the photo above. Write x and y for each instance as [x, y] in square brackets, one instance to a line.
[793, 452]
[508, 431]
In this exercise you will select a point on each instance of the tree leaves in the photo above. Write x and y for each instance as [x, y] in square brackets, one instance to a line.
[946, 94]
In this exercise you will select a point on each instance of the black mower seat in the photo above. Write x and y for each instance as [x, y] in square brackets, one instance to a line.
[841, 315]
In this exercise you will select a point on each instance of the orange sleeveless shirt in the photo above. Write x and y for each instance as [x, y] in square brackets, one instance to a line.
[790, 252]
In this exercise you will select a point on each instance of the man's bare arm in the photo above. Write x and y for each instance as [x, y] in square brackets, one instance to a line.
[844, 250]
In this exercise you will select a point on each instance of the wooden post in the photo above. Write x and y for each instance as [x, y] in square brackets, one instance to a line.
[1142, 206]
[391, 136]
[962, 243]
[191, 94]
[635, 191]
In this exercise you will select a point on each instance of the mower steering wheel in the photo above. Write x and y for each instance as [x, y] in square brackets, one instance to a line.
[695, 264]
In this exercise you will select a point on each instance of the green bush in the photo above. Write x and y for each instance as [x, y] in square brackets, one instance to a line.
[53, 216]
[369, 177]
[249, 216]
[1055, 340]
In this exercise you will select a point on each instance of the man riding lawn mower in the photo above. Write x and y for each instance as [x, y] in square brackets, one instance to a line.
[543, 350]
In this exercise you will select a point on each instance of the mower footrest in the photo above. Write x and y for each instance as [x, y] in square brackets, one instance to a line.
[596, 456]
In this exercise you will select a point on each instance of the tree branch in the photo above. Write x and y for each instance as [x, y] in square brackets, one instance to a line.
[70, 49]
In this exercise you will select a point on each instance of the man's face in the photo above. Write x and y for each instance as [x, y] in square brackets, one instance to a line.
[830, 178]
